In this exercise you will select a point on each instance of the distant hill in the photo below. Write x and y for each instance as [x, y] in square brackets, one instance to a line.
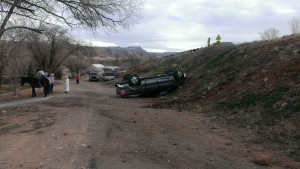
[124, 57]
[116, 53]
[137, 50]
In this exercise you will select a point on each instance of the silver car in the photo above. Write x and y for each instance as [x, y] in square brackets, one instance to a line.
[108, 76]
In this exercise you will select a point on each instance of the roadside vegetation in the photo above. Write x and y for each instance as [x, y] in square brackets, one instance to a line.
[254, 86]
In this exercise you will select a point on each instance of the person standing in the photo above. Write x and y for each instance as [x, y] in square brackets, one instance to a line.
[40, 75]
[77, 78]
[208, 41]
[51, 82]
[218, 39]
[66, 84]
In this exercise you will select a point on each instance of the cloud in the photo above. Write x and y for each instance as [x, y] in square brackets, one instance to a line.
[176, 25]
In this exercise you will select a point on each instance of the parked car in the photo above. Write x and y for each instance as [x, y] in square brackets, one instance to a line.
[108, 76]
[94, 76]
[154, 85]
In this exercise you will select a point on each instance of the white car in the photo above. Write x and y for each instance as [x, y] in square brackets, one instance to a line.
[108, 76]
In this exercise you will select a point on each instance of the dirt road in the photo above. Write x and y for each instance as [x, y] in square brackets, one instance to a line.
[92, 128]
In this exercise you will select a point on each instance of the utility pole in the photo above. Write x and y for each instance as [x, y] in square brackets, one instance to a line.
[131, 58]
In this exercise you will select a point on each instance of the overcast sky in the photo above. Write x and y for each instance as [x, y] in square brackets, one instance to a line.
[179, 25]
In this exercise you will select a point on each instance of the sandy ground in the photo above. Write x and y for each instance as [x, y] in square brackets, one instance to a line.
[92, 128]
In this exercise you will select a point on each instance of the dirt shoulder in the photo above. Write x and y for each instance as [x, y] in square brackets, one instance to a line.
[91, 127]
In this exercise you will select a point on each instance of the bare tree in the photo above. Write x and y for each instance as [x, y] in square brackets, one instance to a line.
[107, 14]
[80, 60]
[16, 66]
[50, 49]
[269, 34]
[7, 51]
[294, 25]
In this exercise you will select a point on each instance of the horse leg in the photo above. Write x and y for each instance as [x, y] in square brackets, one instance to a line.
[45, 91]
[33, 92]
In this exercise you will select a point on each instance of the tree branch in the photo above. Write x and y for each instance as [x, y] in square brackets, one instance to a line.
[49, 12]
[7, 17]
[20, 7]
[24, 27]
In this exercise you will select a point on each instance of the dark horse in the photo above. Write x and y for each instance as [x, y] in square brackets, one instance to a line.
[35, 84]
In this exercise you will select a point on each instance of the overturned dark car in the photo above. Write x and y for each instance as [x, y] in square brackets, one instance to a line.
[150, 86]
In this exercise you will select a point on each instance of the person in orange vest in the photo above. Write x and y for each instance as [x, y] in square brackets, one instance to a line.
[218, 39]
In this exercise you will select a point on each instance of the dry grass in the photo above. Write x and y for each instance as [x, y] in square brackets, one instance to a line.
[275, 132]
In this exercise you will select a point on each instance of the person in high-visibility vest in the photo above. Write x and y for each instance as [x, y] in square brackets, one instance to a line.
[218, 39]
[208, 41]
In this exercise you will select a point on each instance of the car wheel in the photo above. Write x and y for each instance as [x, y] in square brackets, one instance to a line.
[134, 80]
[178, 75]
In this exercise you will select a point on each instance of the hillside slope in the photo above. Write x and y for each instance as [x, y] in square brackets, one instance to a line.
[252, 85]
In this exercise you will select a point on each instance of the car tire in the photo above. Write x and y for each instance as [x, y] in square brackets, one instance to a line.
[178, 75]
[134, 80]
